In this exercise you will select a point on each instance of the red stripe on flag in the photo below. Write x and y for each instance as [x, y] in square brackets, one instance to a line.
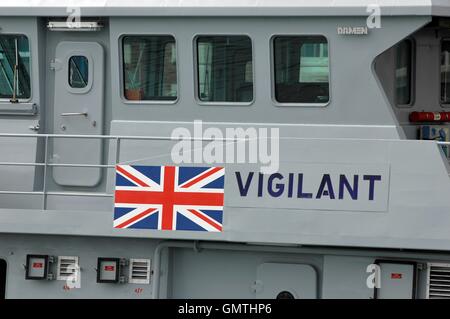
[203, 176]
[212, 223]
[169, 188]
[138, 216]
[179, 198]
[130, 176]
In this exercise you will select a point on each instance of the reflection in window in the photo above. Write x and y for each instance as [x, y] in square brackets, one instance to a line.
[225, 70]
[403, 73]
[301, 69]
[14, 67]
[78, 72]
[149, 68]
[445, 72]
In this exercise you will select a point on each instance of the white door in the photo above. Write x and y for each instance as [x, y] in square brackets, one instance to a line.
[78, 110]
[286, 281]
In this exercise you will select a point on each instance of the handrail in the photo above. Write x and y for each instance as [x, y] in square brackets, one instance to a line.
[45, 164]
[116, 159]
[115, 137]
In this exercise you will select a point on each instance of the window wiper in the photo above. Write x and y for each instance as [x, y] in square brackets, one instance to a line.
[16, 73]
[5, 76]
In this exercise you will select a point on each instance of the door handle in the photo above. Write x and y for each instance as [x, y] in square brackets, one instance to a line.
[85, 114]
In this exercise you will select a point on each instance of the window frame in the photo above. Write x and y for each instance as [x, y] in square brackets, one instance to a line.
[29, 99]
[90, 60]
[121, 70]
[196, 69]
[413, 74]
[88, 73]
[272, 72]
[441, 103]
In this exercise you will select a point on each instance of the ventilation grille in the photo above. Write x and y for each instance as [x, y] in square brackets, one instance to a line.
[139, 271]
[67, 266]
[439, 281]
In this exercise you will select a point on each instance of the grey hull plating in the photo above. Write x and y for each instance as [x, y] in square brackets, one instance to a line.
[312, 246]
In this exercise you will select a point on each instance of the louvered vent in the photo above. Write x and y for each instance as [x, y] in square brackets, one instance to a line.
[438, 281]
[67, 266]
[139, 271]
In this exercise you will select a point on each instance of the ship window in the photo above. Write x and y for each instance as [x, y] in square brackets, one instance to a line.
[403, 72]
[149, 68]
[78, 72]
[301, 69]
[445, 71]
[225, 69]
[14, 67]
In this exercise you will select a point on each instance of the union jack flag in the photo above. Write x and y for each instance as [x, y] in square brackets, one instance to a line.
[169, 198]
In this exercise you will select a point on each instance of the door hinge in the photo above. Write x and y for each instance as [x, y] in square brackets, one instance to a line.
[55, 64]
[34, 127]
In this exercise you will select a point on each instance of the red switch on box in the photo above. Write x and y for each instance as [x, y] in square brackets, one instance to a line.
[37, 267]
[396, 276]
[108, 270]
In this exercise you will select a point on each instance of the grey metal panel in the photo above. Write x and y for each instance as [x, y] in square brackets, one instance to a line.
[415, 191]
[14, 250]
[287, 130]
[345, 277]
[362, 107]
[397, 281]
[23, 108]
[274, 278]
[440, 8]
[50, 41]
[189, 273]
[257, 193]
[71, 101]
[418, 191]
[426, 75]
[231, 274]
[18, 149]
[231, 7]
[9, 201]
[418, 202]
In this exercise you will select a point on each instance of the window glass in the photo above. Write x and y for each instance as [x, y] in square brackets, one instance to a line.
[78, 72]
[225, 69]
[14, 67]
[445, 72]
[149, 68]
[403, 73]
[301, 69]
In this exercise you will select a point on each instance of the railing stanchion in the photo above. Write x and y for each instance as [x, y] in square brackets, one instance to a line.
[118, 150]
[44, 185]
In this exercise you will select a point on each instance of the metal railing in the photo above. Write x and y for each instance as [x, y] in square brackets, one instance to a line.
[46, 164]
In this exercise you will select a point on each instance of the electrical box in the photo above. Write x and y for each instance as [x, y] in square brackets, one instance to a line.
[397, 280]
[108, 270]
[37, 267]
